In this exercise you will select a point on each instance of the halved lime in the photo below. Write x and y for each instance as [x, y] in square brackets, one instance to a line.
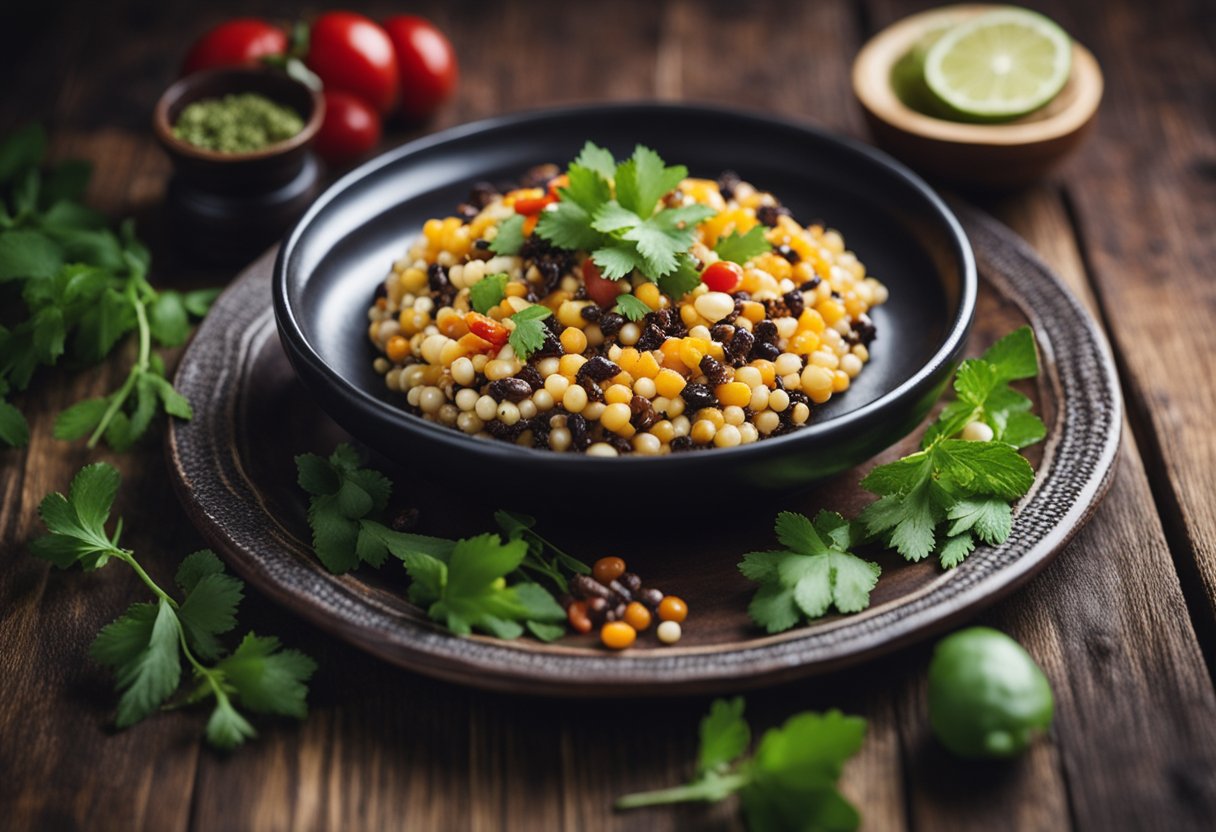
[999, 65]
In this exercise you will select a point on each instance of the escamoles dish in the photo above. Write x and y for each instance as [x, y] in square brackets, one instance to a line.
[329, 266]
[602, 310]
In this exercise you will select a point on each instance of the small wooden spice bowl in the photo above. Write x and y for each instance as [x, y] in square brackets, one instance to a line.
[228, 207]
[974, 155]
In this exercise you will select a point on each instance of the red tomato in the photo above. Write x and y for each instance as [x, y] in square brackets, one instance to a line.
[527, 207]
[426, 63]
[240, 41]
[487, 328]
[350, 128]
[599, 288]
[722, 276]
[353, 54]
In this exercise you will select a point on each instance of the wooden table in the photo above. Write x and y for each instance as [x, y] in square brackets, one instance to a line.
[1124, 622]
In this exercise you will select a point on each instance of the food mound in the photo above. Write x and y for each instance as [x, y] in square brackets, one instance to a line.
[623, 308]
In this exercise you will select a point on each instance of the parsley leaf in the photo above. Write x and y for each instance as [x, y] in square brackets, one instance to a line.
[790, 781]
[145, 646]
[568, 225]
[343, 495]
[739, 248]
[631, 307]
[643, 179]
[595, 158]
[813, 573]
[529, 333]
[685, 278]
[954, 493]
[510, 237]
[488, 292]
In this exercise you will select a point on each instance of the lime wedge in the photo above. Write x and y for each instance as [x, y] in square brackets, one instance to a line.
[999, 65]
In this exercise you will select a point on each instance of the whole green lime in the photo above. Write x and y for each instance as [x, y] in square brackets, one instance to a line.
[987, 697]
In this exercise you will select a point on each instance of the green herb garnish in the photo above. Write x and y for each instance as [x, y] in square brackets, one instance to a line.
[814, 572]
[631, 231]
[949, 495]
[145, 646]
[510, 237]
[790, 781]
[488, 292]
[529, 333]
[739, 248]
[81, 289]
[631, 307]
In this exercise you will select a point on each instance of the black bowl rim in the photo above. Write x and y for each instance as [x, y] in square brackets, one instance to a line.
[299, 347]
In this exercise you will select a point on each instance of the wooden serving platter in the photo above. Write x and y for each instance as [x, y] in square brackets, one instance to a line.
[233, 470]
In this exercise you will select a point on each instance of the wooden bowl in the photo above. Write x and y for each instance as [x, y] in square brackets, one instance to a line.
[985, 155]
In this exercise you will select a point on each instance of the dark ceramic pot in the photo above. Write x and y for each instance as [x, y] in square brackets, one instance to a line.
[228, 207]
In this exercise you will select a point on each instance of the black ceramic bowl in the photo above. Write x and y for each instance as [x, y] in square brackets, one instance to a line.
[343, 247]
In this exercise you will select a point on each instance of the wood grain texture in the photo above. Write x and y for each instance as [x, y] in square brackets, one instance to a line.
[382, 749]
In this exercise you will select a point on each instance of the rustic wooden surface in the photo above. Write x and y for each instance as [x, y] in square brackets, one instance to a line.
[1124, 622]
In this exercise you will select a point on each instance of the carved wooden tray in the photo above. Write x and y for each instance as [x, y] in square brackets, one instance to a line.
[234, 472]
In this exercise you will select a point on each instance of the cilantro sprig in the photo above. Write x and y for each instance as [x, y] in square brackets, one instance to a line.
[528, 336]
[631, 307]
[613, 211]
[73, 289]
[461, 583]
[739, 248]
[814, 572]
[488, 292]
[146, 645]
[954, 493]
[788, 783]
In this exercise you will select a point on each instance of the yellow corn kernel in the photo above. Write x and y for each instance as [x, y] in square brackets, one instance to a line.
[690, 353]
[647, 366]
[413, 280]
[703, 432]
[573, 340]
[432, 229]
[840, 381]
[569, 313]
[831, 310]
[570, 365]
[451, 323]
[804, 343]
[768, 373]
[616, 416]
[753, 311]
[774, 264]
[688, 314]
[853, 305]
[811, 321]
[671, 355]
[622, 378]
[664, 431]
[704, 191]
[649, 294]
[712, 415]
[734, 393]
[669, 383]
[515, 289]
[618, 394]
[628, 359]
[816, 380]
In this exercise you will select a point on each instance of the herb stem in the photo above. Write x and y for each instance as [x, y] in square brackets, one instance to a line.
[141, 364]
[707, 790]
[128, 558]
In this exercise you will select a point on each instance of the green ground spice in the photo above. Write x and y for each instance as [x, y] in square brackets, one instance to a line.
[238, 123]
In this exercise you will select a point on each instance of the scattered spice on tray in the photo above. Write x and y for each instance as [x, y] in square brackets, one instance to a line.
[237, 123]
[615, 601]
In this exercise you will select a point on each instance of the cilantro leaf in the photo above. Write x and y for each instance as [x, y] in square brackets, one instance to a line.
[724, 734]
[529, 333]
[14, 429]
[268, 679]
[142, 649]
[343, 495]
[989, 518]
[1015, 356]
[681, 281]
[587, 188]
[510, 236]
[812, 574]
[569, 226]
[643, 179]
[595, 158]
[488, 292]
[28, 254]
[790, 781]
[77, 522]
[617, 260]
[631, 307]
[739, 248]
[209, 609]
[226, 728]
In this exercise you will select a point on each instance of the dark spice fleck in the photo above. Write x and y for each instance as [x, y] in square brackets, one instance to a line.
[727, 182]
[539, 176]
[765, 332]
[767, 214]
[598, 369]
[681, 443]
[644, 414]
[532, 376]
[501, 430]
[436, 277]
[591, 313]
[813, 283]
[795, 302]
[622, 445]
[631, 581]
[766, 351]
[466, 211]
[482, 194]
[789, 254]
[740, 347]
[611, 323]
[651, 339]
[597, 610]
[697, 396]
[714, 372]
[585, 586]
[594, 392]
[650, 596]
[722, 333]
[864, 330]
[482, 244]
[576, 423]
[620, 592]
